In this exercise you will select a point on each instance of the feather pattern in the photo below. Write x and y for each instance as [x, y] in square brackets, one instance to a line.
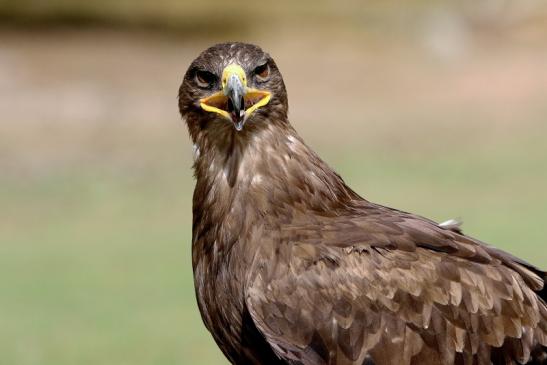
[293, 267]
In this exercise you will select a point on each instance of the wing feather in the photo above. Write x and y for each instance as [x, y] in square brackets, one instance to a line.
[394, 288]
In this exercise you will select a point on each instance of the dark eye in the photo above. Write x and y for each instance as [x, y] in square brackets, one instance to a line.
[262, 72]
[205, 79]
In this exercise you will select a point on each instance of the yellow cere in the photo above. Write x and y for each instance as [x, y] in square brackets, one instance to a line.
[233, 69]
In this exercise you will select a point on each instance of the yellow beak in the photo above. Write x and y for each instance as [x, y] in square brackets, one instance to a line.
[236, 101]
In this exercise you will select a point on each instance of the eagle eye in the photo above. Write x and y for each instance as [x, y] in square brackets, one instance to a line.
[262, 72]
[205, 79]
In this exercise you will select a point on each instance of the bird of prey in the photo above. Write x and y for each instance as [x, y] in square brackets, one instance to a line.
[291, 266]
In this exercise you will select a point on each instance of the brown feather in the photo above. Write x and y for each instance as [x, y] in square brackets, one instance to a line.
[293, 267]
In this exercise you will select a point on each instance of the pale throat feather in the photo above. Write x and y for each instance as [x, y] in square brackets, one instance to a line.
[262, 170]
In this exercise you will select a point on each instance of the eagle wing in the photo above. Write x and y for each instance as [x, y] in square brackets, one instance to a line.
[388, 287]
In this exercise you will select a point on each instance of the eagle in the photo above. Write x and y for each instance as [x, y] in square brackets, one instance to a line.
[291, 266]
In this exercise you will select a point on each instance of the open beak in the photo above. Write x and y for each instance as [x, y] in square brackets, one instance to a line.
[235, 102]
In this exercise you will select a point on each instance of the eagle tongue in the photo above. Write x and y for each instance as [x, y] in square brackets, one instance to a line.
[238, 120]
[237, 113]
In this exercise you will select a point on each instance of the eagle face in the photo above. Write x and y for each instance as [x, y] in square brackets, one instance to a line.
[232, 84]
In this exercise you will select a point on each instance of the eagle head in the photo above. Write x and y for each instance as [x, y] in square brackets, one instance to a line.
[232, 85]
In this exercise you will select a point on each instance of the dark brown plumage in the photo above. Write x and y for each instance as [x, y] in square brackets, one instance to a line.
[293, 267]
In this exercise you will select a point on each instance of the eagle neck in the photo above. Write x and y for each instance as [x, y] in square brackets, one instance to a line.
[260, 176]
[246, 185]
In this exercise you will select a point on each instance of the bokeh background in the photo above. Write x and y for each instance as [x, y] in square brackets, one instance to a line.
[435, 107]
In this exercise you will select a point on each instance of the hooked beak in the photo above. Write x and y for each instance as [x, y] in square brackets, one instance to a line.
[235, 102]
[235, 90]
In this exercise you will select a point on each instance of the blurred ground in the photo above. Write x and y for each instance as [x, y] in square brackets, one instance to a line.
[446, 121]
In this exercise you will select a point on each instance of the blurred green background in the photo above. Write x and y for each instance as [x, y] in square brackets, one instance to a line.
[439, 108]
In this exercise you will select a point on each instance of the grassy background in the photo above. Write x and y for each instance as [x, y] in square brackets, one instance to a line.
[447, 119]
